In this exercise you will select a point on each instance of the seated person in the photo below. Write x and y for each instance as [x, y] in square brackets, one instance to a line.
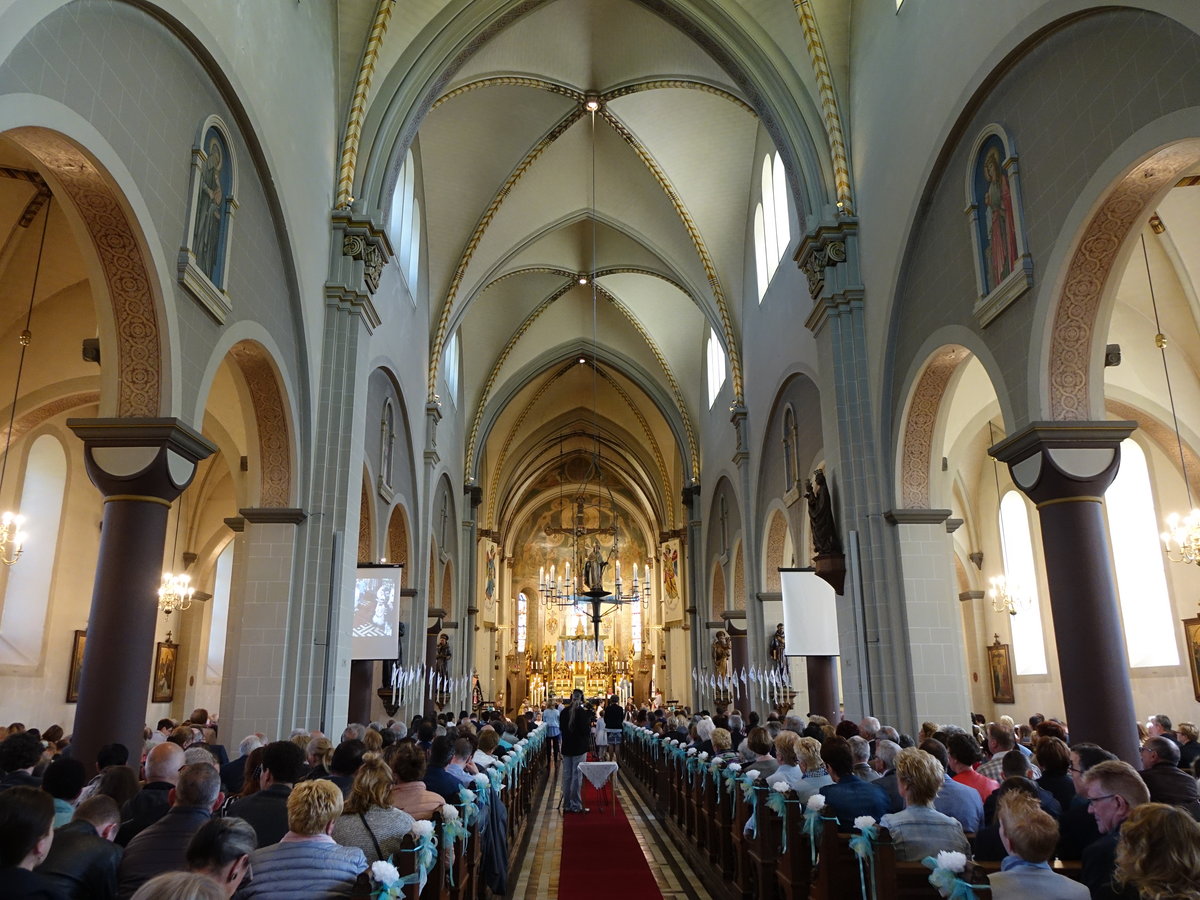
[266, 809]
[849, 796]
[1029, 835]
[307, 862]
[26, 834]
[83, 860]
[1157, 854]
[1016, 765]
[221, 850]
[722, 743]
[369, 821]
[407, 761]
[919, 830]
[816, 776]
[759, 744]
[964, 754]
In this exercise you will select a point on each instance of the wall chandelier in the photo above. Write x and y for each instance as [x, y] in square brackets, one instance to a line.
[1181, 540]
[12, 534]
[176, 591]
[1006, 597]
[581, 581]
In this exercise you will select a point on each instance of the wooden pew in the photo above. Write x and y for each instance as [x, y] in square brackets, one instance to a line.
[764, 846]
[794, 869]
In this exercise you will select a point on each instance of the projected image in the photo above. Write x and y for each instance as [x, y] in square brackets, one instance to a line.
[376, 614]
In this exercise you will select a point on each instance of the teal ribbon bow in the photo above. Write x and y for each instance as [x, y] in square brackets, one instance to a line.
[778, 803]
[863, 845]
[812, 828]
[425, 851]
[453, 831]
[948, 883]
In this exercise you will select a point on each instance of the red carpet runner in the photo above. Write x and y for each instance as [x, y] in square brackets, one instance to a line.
[601, 857]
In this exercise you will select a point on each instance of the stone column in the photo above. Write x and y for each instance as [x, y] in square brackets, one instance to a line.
[693, 566]
[140, 466]
[469, 592]
[316, 648]
[873, 638]
[932, 615]
[261, 602]
[1065, 468]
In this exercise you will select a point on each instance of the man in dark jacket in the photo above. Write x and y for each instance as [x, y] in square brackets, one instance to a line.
[437, 779]
[19, 753]
[83, 859]
[266, 811]
[1167, 782]
[163, 846]
[152, 802]
[576, 724]
[233, 773]
[614, 719]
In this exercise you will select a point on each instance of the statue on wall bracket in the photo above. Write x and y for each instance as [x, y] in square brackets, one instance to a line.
[828, 559]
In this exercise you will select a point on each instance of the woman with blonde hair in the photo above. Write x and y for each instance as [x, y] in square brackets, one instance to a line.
[722, 744]
[919, 830]
[808, 758]
[369, 821]
[180, 886]
[787, 745]
[1158, 854]
[319, 753]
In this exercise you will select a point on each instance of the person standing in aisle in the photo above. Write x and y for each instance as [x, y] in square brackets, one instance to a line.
[576, 724]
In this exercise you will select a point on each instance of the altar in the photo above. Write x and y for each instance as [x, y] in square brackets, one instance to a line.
[577, 663]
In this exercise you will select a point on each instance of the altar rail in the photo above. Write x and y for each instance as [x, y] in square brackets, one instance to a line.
[706, 807]
[430, 870]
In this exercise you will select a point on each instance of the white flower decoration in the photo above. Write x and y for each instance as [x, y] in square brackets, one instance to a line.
[862, 823]
[483, 781]
[703, 755]
[422, 829]
[468, 795]
[449, 813]
[734, 767]
[691, 751]
[782, 786]
[951, 860]
[816, 802]
[384, 872]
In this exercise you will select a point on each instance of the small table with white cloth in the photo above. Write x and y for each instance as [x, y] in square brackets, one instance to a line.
[602, 775]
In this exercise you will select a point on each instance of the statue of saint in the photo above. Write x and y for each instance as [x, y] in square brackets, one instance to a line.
[720, 653]
[441, 665]
[593, 568]
[776, 648]
[820, 514]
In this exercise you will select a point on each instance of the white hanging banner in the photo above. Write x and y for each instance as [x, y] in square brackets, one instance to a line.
[809, 614]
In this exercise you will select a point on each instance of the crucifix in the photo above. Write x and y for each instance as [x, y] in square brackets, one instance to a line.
[590, 563]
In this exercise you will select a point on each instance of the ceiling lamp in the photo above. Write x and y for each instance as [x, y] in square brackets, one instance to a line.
[12, 534]
[580, 583]
[176, 591]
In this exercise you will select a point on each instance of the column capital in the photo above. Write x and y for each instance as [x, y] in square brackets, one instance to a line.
[1059, 461]
[150, 458]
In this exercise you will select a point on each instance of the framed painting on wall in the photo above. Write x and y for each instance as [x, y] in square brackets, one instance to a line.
[76, 666]
[164, 672]
[1000, 672]
[1191, 632]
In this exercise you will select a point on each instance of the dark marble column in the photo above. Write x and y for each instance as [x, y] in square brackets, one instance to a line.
[362, 690]
[140, 466]
[1065, 468]
[822, 686]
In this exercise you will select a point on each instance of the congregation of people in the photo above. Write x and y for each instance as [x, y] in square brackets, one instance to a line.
[1021, 795]
[296, 817]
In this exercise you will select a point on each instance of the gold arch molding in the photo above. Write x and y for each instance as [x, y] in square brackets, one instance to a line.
[271, 422]
[127, 273]
[920, 422]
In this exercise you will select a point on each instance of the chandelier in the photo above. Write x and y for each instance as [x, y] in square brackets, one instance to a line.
[581, 582]
[12, 534]
[1006, 598]
[1181, 540]
[176, 591]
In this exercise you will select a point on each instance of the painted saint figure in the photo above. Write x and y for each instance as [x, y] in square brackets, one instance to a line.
[720, 654]
[1001, 250]
[210, 210]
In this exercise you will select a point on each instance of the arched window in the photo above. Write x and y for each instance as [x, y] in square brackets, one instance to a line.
[406, 224]
[522, 621]
[451, 367]
[716, 367]
[387, 443]
[1137, 558]
[772, 226]
[1029, 644]
[218, 624]
[27, 595]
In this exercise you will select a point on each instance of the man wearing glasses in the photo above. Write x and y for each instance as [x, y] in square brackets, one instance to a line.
[1112, 790]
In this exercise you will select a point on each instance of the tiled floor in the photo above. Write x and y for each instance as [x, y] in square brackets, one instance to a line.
[537, 872]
